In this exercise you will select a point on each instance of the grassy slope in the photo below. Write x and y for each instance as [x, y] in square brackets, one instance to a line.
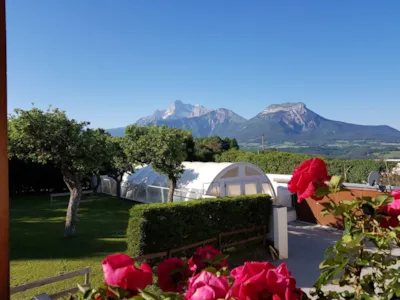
[39, 250]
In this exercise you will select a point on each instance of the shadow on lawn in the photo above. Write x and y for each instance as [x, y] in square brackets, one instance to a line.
[36, 229]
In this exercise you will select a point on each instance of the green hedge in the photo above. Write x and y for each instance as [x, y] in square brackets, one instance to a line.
[284, 163]
[159, 227]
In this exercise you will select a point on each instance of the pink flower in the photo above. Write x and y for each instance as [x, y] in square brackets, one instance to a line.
[393, 210]
[199, 260]
[207, 286]
[396, 194]
[172, 274]
[120, 271]
[261, 280]
[307, 178]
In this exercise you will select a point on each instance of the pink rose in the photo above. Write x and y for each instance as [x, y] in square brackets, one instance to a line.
[207, 286]
[261, 280]
[120, 271]
[307, 178]
[393, 210]
[172, 274]
[396, 194]
[199, 260]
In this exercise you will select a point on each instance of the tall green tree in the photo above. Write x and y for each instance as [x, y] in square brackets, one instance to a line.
[208, 148]
[119, 164]
[50, 136]
[163, 148]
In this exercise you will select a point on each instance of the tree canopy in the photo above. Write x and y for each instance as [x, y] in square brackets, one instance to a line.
[162, 147]
[50, 136]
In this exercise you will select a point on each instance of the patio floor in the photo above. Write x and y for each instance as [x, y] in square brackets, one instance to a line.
[307, 243]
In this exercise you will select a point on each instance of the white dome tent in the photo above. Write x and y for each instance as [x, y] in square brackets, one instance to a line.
[199, 180]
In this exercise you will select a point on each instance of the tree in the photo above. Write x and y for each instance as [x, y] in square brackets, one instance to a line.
[119, 164]
[50, 136]
[162, 147]
[208, 148]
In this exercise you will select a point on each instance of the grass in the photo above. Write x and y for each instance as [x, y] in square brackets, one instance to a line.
[39, 250]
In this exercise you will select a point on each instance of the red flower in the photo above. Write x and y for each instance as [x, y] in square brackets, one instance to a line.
[172, 274]
[393, 210]
[120, 271]
[307, 178]
[207, 286]
[261, 280]
[390, 221]
[199, 260]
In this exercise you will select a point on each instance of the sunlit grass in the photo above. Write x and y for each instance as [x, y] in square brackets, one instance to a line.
[39, 250]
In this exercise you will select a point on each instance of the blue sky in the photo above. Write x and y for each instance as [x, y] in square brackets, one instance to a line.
[111, 62]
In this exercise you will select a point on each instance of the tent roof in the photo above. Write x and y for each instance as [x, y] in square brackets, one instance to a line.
[195, 176]
[199, 175]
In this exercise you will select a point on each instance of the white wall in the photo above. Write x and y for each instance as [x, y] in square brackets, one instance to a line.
[279, 182]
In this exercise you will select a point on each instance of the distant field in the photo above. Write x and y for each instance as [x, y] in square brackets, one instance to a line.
[358, 149]
[391, 154]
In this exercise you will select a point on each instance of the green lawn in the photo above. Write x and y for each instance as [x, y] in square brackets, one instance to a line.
[39, 250]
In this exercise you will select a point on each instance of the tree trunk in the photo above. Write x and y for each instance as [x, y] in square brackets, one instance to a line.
[97, 185]
[118, 180]
[74, 185]
[172, 186]
[118, 188]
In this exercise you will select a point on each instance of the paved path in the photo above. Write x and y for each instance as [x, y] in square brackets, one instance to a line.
[307, 244]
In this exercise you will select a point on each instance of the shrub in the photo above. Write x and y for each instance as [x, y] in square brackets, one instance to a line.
[355, 171]
[159, 227]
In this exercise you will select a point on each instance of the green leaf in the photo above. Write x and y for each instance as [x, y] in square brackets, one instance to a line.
[146, 295]
[325, 212]
[322, 191]
[326, 205]
[382, 199]
[347, 238]
[362, 261]
[115, 291]
[171, 296]
[211, 270]
[335, 182]
[328, 263]
[348, 202]
[220, 257]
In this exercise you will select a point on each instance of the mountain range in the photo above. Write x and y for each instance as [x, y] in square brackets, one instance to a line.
[278, 122]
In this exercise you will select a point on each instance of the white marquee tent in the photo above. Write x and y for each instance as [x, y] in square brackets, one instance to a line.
[199, 180]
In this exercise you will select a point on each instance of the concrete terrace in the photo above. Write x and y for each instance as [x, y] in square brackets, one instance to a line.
[307, 243]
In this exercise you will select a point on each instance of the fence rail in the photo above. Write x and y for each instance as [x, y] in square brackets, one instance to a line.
[49, 280]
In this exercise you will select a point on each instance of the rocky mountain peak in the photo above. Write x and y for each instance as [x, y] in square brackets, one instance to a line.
[294, 115]
[299, 107]
[177, 110]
